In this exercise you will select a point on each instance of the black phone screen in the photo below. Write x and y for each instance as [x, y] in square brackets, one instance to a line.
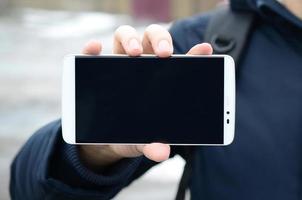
[177, 100]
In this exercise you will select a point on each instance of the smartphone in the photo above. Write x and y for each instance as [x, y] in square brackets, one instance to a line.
[180, 100]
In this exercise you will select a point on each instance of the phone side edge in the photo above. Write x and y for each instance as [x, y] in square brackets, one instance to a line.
[229, 99]
[68, 99]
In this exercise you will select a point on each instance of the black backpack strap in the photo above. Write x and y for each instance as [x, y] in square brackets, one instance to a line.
[186, 175]
[227, 32]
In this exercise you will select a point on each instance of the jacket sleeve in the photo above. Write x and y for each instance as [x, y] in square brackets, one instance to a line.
[48, 168]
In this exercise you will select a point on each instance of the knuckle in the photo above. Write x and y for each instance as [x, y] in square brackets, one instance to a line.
[124, 29]
[158, 31]
[124, 32]
[153, 27]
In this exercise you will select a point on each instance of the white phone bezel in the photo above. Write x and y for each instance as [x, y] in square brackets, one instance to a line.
[68, 100]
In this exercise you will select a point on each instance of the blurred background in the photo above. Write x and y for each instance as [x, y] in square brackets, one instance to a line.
[34, 37]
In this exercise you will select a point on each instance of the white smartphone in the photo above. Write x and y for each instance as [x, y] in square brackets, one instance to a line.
[180, 100]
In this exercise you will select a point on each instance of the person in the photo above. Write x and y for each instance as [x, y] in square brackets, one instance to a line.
[265, 159]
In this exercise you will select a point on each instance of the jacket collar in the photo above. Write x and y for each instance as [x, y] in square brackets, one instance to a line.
[267, 9]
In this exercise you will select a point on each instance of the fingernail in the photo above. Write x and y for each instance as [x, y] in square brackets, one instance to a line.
[164, 45]
[133, 44]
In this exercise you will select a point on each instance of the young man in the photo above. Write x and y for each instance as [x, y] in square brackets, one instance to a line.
[265, 160]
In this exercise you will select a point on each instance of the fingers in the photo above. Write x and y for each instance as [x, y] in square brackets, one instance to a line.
[127, 41]
[93, 47]
[157, 40]
[201, 49]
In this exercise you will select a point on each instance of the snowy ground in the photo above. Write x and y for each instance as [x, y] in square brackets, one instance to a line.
[33, 43]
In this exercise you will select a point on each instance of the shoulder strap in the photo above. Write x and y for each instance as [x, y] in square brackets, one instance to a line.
[186, 175]
[227, 32]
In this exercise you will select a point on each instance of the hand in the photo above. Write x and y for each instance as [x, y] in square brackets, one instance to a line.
[156, 40]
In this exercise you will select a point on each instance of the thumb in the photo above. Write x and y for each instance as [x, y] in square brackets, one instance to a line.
[157, 152]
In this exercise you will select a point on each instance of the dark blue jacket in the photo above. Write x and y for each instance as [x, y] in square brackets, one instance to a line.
[265, 160]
